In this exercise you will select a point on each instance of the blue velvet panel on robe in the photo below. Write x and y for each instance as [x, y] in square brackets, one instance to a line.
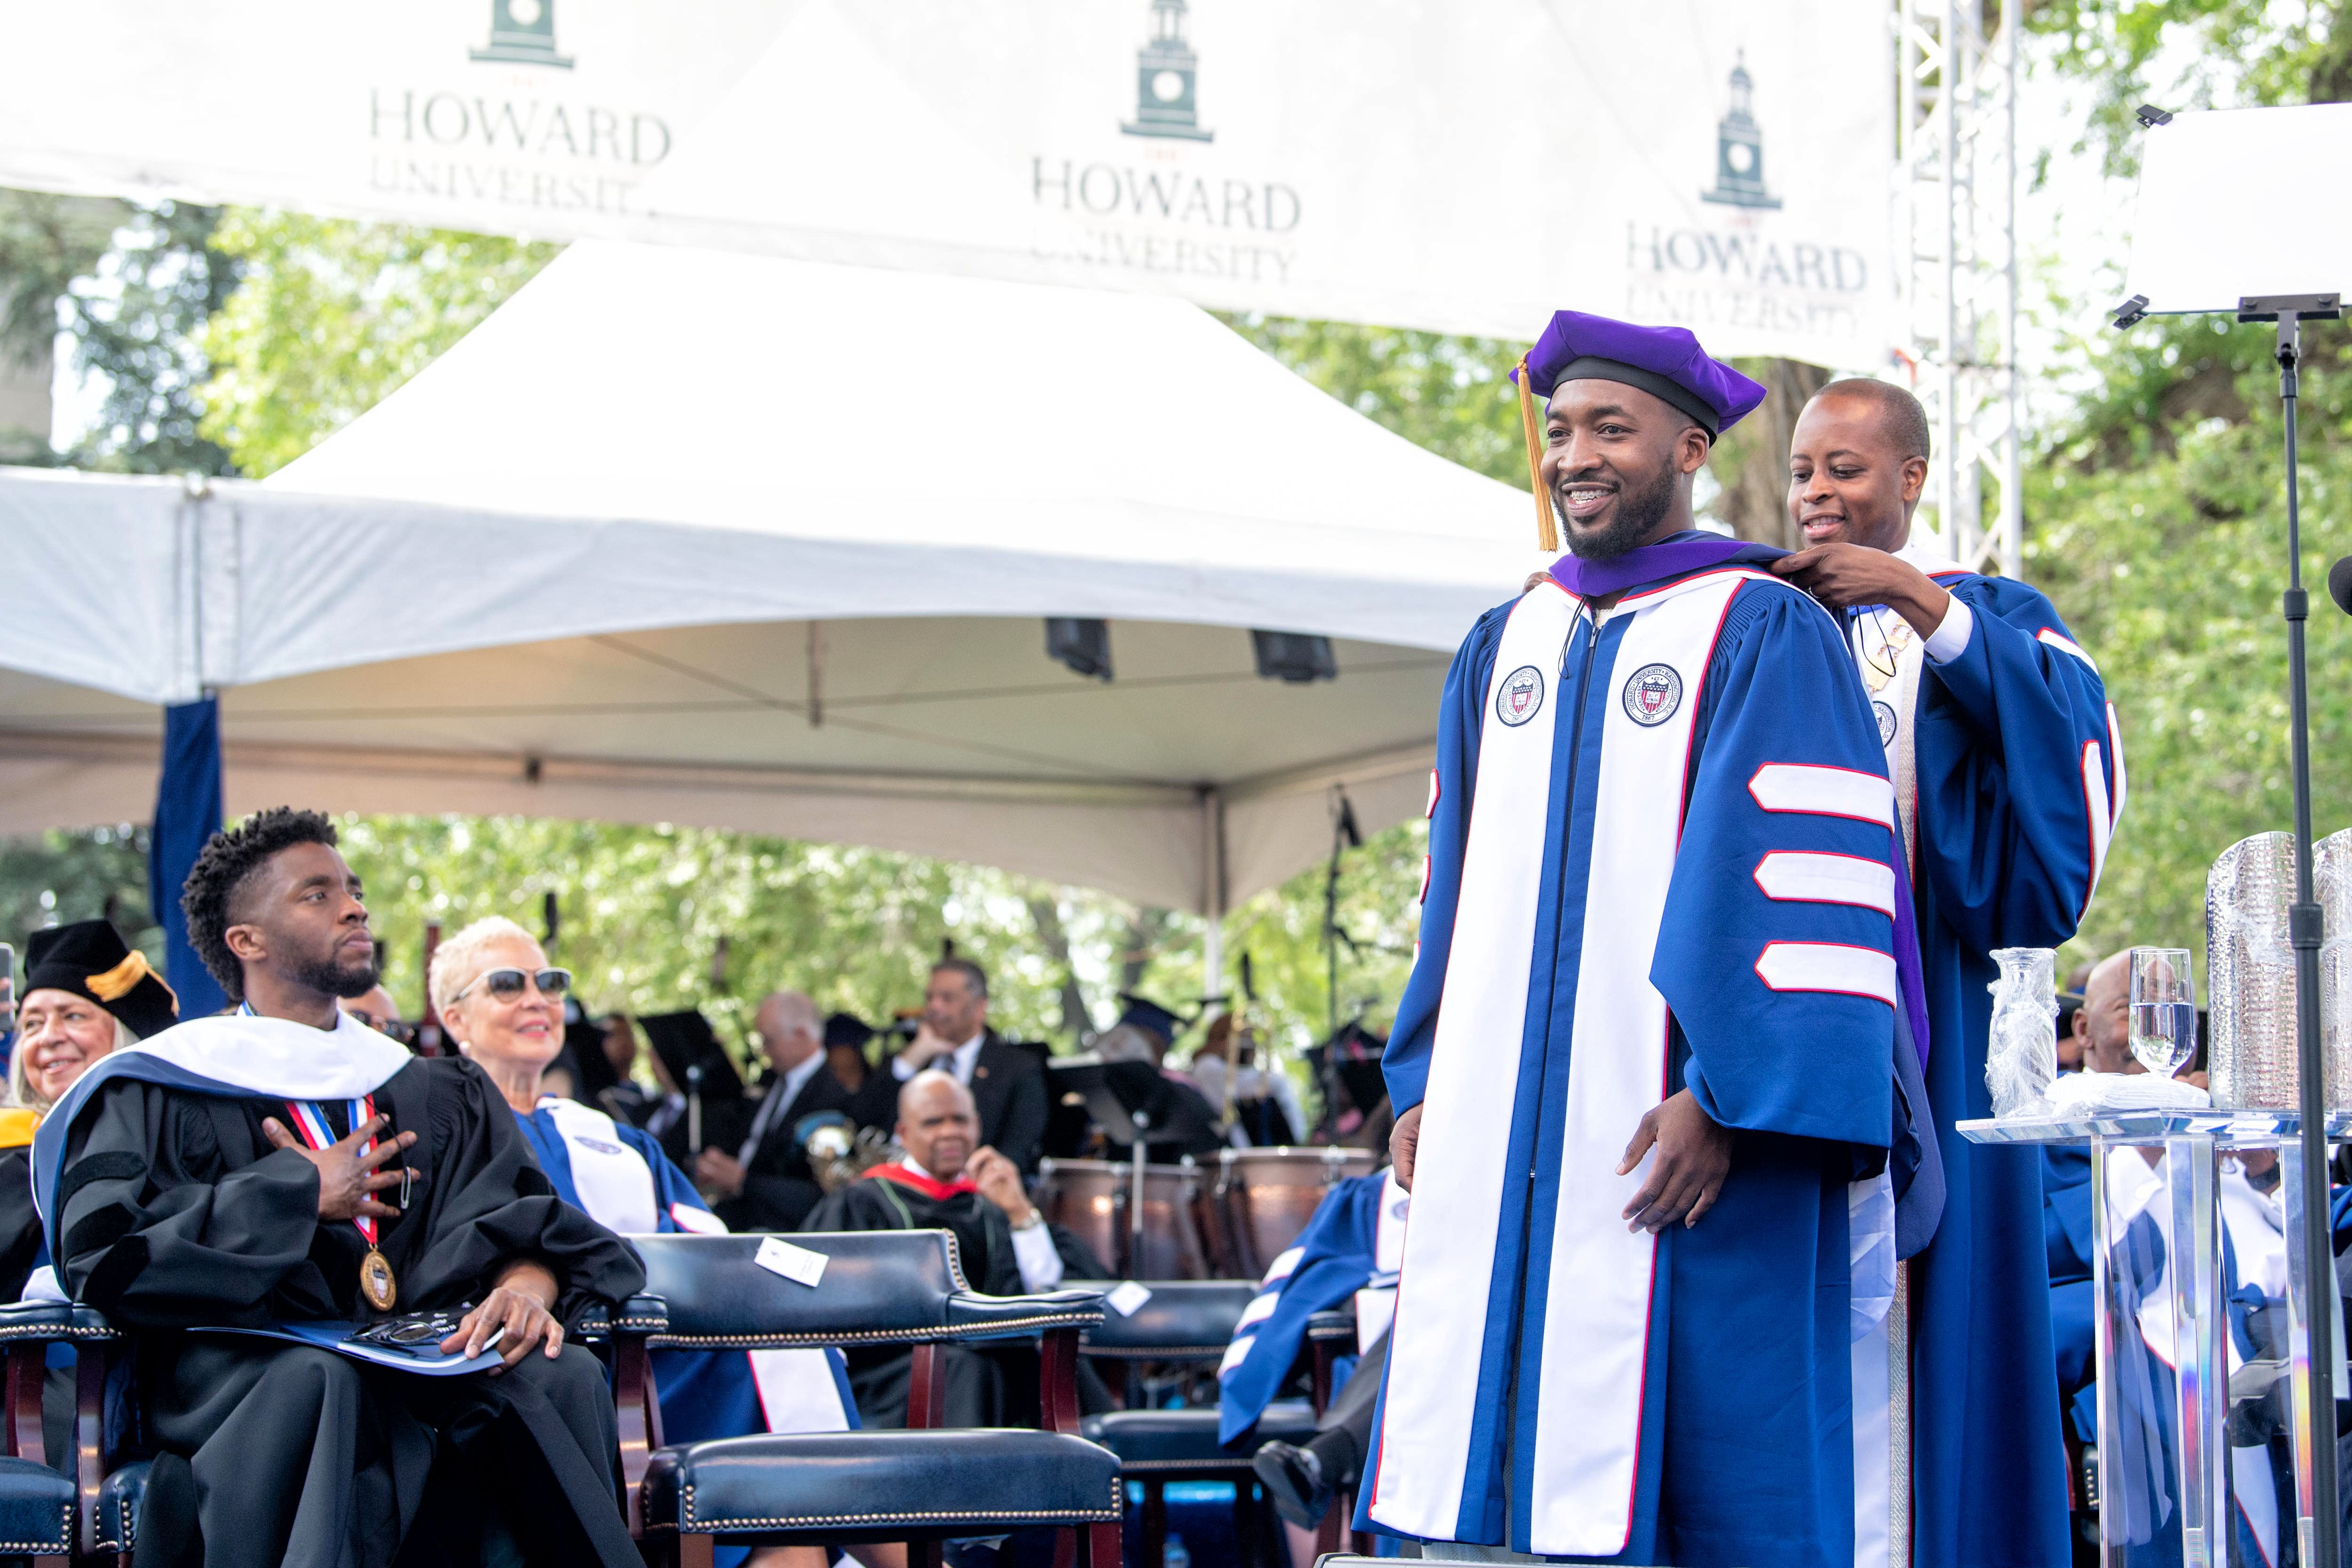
[1746, 1452]
[2005, 843]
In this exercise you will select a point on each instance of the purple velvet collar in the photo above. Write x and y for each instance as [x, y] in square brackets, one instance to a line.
[1684, 552]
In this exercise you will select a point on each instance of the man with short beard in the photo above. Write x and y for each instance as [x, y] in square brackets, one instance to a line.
[1652, 1037]
[2007, 767]
[285, 1165]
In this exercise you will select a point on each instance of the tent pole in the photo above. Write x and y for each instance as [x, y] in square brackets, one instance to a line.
[1212, 894]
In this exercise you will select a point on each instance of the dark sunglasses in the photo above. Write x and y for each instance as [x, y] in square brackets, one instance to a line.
[508, 984]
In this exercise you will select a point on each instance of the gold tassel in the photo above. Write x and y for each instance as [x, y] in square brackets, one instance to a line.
[1546, 525]
[114, 985]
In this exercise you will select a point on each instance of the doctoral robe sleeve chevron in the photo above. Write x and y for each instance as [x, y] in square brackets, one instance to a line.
[2020, 773]
[1451, 786]
[1776, 952]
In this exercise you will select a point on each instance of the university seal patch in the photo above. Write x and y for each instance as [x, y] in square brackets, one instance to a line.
[1651, 693]
[1885, 723]
[1520, 697]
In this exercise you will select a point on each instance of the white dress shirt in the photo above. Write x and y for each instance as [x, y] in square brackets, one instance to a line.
[1032, 1249]
[1950, 638]
[959, 1061]
[780, 1096]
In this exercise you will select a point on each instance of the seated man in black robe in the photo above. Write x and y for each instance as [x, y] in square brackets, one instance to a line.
[286, 1164]
[1006, 1246]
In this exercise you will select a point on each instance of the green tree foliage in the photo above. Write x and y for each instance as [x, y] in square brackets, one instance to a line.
[49, 879]
[1446, 393]
[136, 323]
[2155, 509]
[2192, 54]
[331, 316]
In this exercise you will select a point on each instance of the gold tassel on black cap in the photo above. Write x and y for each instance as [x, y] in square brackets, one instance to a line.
[1546, 525]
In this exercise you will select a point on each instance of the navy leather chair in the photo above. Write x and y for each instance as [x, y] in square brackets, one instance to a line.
[1187, 1321]
[46, 1514]
[921, 1485]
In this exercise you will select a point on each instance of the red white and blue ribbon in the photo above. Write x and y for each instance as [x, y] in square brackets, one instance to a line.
[310, 1120]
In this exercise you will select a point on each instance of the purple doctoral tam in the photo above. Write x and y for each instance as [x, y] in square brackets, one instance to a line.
[1664, 361]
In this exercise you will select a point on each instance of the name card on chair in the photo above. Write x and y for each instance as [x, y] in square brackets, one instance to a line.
[799, 1264]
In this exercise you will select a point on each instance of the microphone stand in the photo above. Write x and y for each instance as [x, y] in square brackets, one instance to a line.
[2322, 1528]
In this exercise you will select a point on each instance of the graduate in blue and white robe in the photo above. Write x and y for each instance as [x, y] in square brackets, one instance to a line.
[2007, 767]
[1662, 874]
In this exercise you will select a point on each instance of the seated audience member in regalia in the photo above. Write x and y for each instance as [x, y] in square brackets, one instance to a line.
[945, 1183]
[501, 1004]
[87, 995]
[764, 1183]
[285, 1162]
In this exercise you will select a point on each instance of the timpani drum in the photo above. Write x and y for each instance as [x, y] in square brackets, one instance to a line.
[1091, 1197]
[1266, 1197]
[1088, 1198]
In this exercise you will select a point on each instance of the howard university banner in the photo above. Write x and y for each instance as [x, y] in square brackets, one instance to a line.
[1470, 166]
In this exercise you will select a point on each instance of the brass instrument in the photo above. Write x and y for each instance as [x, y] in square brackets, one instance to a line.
[838, 1155]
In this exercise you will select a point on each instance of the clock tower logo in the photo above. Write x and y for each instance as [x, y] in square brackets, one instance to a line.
[1165, 70]
[1739, 151]
[522, 32]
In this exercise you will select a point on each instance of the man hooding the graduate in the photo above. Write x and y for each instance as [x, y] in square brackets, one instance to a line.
[251, 1168]
[2008, 780]
[1651, 1039]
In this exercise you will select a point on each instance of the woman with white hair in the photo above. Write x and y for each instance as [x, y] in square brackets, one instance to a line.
[502, 1003]
[87, 995]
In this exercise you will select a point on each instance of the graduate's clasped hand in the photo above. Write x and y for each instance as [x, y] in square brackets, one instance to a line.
[347, 1178]
[1693, 1155]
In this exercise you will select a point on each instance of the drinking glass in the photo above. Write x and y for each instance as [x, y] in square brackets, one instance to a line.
[2163, 1010]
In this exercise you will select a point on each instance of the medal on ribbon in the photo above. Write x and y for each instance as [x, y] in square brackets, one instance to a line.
[376, 1282]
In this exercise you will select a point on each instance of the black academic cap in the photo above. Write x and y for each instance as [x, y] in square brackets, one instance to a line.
[1150, 1016]
[684, 1040]
[846, 1028]
[89, 960]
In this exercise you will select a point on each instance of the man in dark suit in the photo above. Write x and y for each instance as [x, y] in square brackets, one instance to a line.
[1006, 1082]
[766, 1183]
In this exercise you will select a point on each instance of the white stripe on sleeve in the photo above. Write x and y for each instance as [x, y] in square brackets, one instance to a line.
[1283, 1262]
[2094, 804]
[1234, 1352]
[1824, 791]
[2066, 645]
[1827, 967]
[1261, 1308]
[1808, 878]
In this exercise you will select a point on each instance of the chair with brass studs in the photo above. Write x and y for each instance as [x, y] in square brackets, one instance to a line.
[922, 1485]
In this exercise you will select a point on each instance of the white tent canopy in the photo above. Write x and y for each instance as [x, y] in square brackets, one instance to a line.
[713, 539]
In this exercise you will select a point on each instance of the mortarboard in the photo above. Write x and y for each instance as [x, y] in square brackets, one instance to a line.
[1150, 1016]
[1664, 361]
[846, 1028]
[89, 960]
